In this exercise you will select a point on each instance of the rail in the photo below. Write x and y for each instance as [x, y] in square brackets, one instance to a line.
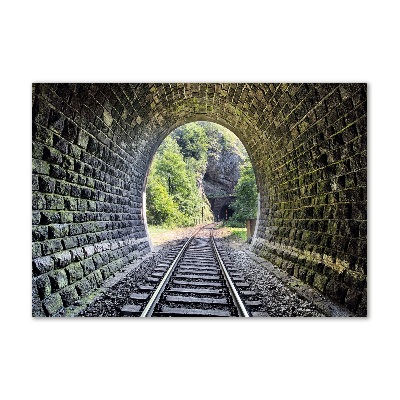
[231, 286]
[148, 310]
[154, 299]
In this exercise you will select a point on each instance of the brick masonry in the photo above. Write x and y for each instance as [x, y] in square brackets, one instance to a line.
[93, 144]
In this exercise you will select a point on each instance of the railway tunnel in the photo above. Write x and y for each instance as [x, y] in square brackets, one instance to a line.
[93, 145]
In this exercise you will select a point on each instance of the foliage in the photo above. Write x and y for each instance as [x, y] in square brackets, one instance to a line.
[193, 141]
[245, 205]
[161, 208]
[238, 233]
[173, 196]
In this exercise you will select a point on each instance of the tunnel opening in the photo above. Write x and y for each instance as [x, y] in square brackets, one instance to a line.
[226, 213]
[215, 156]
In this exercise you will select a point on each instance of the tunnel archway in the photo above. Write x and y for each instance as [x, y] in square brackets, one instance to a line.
[225, 212]
[93, 143]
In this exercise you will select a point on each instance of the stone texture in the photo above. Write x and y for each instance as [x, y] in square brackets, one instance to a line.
[93, 144]
[58, 279]
[53, 304]
[42, 265]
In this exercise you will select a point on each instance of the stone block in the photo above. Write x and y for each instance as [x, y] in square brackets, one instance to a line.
[83, 286]
[55, 121]
[46, 184]
[37, 309]
[35, 218]
[49, 217]
[91, 238]
[69, 296]
[35, 183]
[82, 240]
[77, 254]
[54, 202]
[69, 242]
[57, 172]
[97, 260]
[60, 144]
[61, 259]
[51, 246]
[38, 201]
[41, 265]
[42, 135]
[362, 308]
[92, 281]
[92, 145]
[90, 183]
[58, 231]
[352, 299]
[320, 282]
[75, 229]
[72, 177]
[63, 189]
[66, 217]
[86, 193]
[51, 155]
[105, 272]
[81, 180]
[39, 233]
[354, 280]
[37, 150]
[89, 250]
[105, 257]
[88, 266]
[36, 250]
[74, 151]
[336, 290]
[68, 162]
[53, 304]
[99, 277]
[82, 139]
[75, 191]
[74, 272]
[70, 131]
[70, 204]
[43, 286]
[79, 167]
[58, 279]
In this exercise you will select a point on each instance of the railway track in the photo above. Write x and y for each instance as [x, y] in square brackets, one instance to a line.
[196, 279]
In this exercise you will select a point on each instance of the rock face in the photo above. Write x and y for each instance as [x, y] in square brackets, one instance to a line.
[224, 160]
[223, 171]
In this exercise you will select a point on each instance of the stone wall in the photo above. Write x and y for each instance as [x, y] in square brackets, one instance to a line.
[93, 144]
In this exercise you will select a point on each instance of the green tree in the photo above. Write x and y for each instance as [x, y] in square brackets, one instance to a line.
[193, 141]
[173, 195]
[245, 205]
[161, 209]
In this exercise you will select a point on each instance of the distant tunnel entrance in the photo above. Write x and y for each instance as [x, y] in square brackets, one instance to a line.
[220, 207]
[225, 212]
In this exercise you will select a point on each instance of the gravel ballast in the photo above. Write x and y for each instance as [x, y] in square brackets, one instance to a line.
[277, 300]
[280, 295]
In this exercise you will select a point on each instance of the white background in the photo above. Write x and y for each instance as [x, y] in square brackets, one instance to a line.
[207, 41]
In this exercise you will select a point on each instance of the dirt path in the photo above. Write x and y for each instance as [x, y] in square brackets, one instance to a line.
[161, 237]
